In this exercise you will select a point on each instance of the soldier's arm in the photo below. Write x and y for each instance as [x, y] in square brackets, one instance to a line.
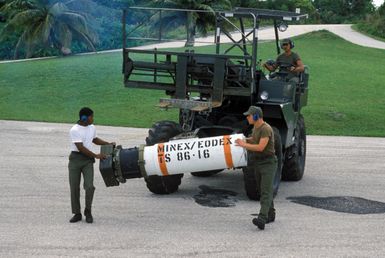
[87, 152]
[254, 147]
[99, 141]
[248, 139]
[299, 66]
[271, 68]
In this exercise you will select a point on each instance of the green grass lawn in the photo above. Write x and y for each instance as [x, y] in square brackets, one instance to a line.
[346, 96]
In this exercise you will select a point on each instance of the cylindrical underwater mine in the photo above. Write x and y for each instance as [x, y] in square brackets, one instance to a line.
[173, 157]
[194, 155]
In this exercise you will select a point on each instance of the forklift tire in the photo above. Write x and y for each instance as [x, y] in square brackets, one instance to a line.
[252, 185]
[294, 165]
[279, 155]
[199, 122]
[162, 132]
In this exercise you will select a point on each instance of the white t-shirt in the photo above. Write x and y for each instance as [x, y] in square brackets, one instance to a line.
[83, 134]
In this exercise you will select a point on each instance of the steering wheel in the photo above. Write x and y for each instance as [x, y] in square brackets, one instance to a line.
[284, 67]
[284, 70]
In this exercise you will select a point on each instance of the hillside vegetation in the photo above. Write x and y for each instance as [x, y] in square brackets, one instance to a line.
[36, 28]
[374, 24]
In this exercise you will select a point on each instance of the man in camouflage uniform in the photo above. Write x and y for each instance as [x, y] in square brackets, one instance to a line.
[262, 160]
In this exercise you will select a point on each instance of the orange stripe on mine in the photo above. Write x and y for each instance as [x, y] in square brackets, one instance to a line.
[227, 150]
[161, 159]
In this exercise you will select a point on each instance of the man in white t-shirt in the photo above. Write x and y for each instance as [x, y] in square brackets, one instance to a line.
[81, 161]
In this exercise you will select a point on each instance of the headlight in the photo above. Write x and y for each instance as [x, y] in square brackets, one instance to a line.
[264, 95]
[282, 27]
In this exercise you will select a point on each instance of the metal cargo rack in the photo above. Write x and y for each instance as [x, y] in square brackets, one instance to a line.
[213, 76]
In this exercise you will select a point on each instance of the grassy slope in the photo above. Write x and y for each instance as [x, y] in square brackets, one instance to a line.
[346, 94]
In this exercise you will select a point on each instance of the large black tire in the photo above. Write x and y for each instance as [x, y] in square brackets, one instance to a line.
[279, 155]
[199, 121]
[252, 185]
[162, 132]
[294, 165]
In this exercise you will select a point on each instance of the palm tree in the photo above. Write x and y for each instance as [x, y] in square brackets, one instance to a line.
[46, 24]
[200, 21]
[10, 8]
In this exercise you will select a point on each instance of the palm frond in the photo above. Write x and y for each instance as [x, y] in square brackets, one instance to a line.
[79, 23]
[170, 20]
[221, 5]
[58, 8]
[204, 7]
[27, 40]
[18, 44]
[25, 18]
[86, 39]
[7, 30]
[44, 28]
[46, 24]
[63, 34]
[11, 8]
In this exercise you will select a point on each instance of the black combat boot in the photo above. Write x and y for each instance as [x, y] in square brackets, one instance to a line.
[259, 222]
[89, 218]
[271, 216]
[77, 217]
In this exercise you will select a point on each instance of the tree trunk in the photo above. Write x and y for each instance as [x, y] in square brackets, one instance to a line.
[190, 28]
[65, 51]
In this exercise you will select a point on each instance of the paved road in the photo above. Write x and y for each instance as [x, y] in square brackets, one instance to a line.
[132, 222]
[343, 30]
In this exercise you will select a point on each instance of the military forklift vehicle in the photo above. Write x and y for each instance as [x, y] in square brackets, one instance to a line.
[213, 90]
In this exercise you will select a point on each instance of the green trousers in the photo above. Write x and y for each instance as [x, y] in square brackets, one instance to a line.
[264, 170]
[80, 164]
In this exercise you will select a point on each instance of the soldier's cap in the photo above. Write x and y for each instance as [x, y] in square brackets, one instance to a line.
[286, 41]
[254, 110]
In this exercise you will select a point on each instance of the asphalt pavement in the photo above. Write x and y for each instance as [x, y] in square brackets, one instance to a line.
[132, 222]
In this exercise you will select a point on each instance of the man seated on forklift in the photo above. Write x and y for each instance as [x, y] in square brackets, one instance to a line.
[289, 63]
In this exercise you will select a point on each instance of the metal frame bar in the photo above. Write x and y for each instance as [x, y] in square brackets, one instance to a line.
[145, 51]
[276, 37]
[244, 38]
[175, 40]
[237, 43]
[185, 81]
[235, 91]
[220, 16]
[141, 23]
[238, 12]
[254, 58]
